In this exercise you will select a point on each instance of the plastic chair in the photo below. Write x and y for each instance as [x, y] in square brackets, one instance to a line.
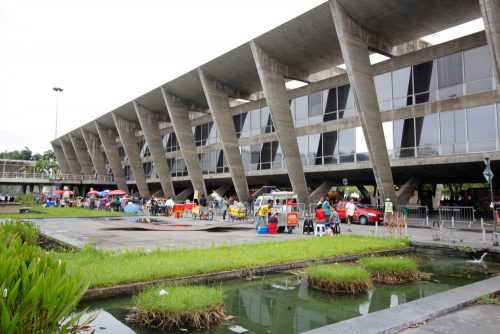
[319, 230]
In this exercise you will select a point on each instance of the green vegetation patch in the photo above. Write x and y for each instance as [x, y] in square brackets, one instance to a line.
[47, 212]
[489, 300]
[167, 307]
[27, 231]
[107, 268]
[391, 269]
[339, 278]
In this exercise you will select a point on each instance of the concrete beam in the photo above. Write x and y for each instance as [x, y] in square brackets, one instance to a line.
[222, 190]
[149, 124]
[179, 116]
[183, 195]
[272, 78]
[218, 102]
[82, 155]
[126, 131]
[320, 191]
[490, 10]
[94, 148]
[61, 159]
[406, 190]
[69, 153]
[356, 56]
[364, 192]
[108, 140]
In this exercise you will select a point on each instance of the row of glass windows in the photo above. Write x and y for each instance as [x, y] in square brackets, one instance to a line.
[253, 123]
[205, 134]
[170, 142]
[143, 149]
[213, 162]
[461, 73]
[149, 170]
[260, 156]
[177, 166]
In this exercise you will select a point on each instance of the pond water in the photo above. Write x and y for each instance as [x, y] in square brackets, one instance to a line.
[284, 303]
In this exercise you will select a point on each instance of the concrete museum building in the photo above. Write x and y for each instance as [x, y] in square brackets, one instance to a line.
[428, 113]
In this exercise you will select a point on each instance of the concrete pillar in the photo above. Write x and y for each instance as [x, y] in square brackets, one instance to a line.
[149, 124]
[490, 10]
[179, 116]
[94, 148]
[82, 155]
[406, 190]
[218, 103]
[272, 78]
[222, 190]
[437, 196]
[108, 139]
[354, 49]
[61, 158]
[70, 154]
[126, 131]
[364, 192]
[320, 191]
[183, 195]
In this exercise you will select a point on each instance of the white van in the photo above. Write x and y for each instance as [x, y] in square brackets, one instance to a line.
[278, 198]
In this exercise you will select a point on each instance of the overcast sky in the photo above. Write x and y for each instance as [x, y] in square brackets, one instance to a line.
[104, 53]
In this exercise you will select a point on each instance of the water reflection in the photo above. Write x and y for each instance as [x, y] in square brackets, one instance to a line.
[286, 304]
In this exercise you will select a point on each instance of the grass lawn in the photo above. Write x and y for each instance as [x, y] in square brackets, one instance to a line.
[42, 212]
[107, 268]
[339, 278]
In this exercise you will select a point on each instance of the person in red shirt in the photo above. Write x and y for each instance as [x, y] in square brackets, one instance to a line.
[320, 214]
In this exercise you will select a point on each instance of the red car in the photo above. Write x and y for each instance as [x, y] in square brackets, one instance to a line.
[362, 214]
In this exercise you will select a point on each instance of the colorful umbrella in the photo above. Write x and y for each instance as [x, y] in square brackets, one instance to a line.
[92, 192]
[131, 208]
[59, 192]
[103, 193]
[118, 192]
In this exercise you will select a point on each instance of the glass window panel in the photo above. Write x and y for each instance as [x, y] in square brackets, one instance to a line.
[330, 147]
[383, 86]
[388, 135]
[422, 77]
[266, 120]
[315, 149]
[237, 125]
[213, 162]
[303, 142]
[245, 128]
[255, 156]
[246, 156]
[255, 122]
[315, 108]
[404, 137]
[478, 64]
[481, 129]
[347, 144]
[330, 102]
[360, 141]
[278, 156]
[301, 111]
[450, 70]
[401, 83]
[452, 131]
[427, 135]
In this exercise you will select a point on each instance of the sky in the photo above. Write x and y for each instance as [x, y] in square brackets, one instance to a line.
[104, 53]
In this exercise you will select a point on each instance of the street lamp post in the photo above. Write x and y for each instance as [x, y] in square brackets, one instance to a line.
[489, 177]
[57, 90]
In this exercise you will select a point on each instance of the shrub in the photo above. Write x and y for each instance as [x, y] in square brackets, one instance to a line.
[27, 231]
[177, 306]
[391, 269]
[339, 278]
[26, 199]
[37, 294]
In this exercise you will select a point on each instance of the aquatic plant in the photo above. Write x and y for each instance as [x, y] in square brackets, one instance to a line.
[178, 306]
[345, 278]
[391, 269]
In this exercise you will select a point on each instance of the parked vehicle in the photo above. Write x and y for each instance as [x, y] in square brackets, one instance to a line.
[362, 214]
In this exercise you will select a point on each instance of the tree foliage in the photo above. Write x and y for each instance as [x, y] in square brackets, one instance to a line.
[45, 163]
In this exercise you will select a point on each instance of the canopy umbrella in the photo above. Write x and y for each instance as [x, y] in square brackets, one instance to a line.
[103, 193]
[59, 192]
[131, 208]
[92, 192]
[118, 192]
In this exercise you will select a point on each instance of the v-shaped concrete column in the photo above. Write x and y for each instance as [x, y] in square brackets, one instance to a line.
[94, 148]
[61, 159]
[490, 10]
[218, 102]
[82, 155]
[356, 57]
[108, 139]
[272, 78]
[126, 131]
[70, 154]
[149, 124]
[179, 115]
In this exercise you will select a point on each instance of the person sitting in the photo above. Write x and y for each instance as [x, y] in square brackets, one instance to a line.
[320, 214]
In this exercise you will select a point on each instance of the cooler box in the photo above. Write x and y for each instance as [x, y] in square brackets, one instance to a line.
[272, 228]
[263, 230]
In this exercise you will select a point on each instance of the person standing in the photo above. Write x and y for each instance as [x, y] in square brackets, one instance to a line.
[328, 211]
[350, 208]
[388, 210]
[263, 213]
[169, 206]
[224, 204]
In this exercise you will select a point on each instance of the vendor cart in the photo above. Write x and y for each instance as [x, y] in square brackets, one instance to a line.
[287, 221]
[237, 212]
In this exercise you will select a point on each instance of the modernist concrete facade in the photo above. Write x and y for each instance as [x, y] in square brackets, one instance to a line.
[427, 114]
